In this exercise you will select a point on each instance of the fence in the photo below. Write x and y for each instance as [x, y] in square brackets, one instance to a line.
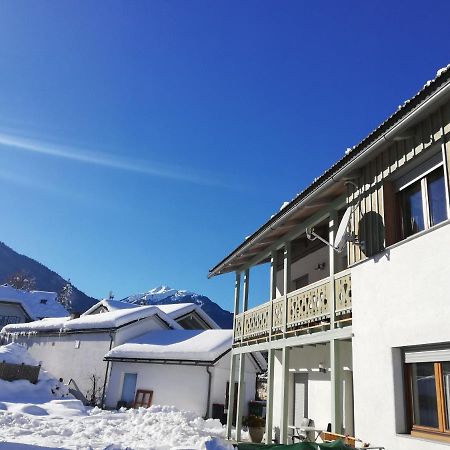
[13, 372]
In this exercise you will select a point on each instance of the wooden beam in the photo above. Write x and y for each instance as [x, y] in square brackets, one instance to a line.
[298, 230]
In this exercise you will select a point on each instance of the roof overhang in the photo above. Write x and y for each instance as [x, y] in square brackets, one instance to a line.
[331, 184]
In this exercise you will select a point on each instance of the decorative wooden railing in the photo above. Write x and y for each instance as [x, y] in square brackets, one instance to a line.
[300, 309]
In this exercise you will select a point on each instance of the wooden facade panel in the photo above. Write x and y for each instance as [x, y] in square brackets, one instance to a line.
[446, 118]
[436, 126]
[418, 142]
[375, 205]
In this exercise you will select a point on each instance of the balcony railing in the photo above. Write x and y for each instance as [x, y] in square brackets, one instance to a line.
[302, 308]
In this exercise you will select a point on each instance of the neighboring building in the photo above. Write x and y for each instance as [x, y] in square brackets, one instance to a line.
[359, 339]
[190, 316]
[125, 348]
[186, 368]
[18, 306]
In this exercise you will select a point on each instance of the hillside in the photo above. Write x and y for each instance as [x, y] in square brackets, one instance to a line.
[46, 280]
[164, 295]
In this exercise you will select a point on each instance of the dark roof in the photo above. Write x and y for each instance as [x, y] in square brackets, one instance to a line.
[442, 77]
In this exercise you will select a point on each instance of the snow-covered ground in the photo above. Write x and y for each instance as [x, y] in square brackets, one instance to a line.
[45, 415]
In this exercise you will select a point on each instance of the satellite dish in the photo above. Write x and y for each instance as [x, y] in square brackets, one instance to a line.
[341, 234]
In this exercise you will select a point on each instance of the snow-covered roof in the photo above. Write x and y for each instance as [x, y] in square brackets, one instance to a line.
[177, 310]
[110, 305]
[37, 304]
[179, 345]
[106, 320]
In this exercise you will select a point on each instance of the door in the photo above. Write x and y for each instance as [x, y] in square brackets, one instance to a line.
[128, 387]
[300, 397]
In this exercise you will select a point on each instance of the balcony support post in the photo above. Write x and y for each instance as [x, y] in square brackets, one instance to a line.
[273, 288]
[246, 288]
[241, 376]
[287, 268]
[284, 395]
[237, 294]
[241, 396]
[231, 391]
[273, 274]
[336, 404]
[234, 358]
[331, 301]
[286, 281]
[270, 388]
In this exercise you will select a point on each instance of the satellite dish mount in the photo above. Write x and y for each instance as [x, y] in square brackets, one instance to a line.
[342, 235]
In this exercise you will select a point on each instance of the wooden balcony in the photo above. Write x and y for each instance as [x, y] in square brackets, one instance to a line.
[304, 310]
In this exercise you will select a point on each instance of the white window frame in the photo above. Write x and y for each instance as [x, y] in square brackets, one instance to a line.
[421, 172]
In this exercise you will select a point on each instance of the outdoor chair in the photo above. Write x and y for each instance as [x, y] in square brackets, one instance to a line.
[302, 435]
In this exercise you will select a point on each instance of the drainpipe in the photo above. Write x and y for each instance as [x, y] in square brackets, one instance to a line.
[111, 335]
[209, 391]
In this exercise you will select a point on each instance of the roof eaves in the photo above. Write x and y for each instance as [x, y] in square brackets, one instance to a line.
[442, 77]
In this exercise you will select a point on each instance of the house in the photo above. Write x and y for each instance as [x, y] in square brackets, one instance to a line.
[355, 321]
[116, 349]
[17, 306]
[189, 315]
[186, 368]
[73, 349]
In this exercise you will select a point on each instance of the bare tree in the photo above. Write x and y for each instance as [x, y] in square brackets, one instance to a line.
[21, 280]
[94, 393]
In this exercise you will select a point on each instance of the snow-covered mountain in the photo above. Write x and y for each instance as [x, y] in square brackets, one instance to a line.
[163, 295]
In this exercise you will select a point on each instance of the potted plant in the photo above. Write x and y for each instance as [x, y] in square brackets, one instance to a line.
[256, 427]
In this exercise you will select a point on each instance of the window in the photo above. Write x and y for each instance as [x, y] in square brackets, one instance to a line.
[423, 203]
[428, 392]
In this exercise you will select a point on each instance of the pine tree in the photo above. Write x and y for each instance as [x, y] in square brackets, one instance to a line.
[65, 296]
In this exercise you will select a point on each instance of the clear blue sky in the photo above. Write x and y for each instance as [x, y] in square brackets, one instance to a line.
[140, 142]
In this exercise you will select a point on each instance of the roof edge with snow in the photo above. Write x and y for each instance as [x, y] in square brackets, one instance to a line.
[436, 87]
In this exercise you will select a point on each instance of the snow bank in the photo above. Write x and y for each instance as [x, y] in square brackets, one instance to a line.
[45, 415]
[160, 428]
[23, 396]
[16, 354]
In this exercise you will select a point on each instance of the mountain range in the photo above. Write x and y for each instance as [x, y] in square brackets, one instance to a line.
[45, 279]
[163, 295]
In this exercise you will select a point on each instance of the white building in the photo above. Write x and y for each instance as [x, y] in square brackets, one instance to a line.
[18, 306]
[194, 363]
[359, 339]
[126, 348]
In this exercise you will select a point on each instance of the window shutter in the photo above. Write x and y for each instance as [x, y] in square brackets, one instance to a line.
[418, 356]
[390, 214]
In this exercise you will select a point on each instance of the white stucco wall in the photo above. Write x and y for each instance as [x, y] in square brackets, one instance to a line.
[307, 265]
[61, 357]
[183, 386]
[400, 298]
[306, 360]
